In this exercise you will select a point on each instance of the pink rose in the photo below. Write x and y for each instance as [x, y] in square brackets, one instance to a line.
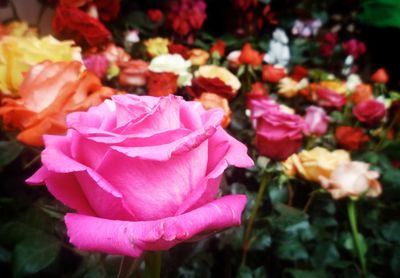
[259, 107]
[278, 134]
[316, 121]
[142, 173]
[370, 112]
[97, 64]
[352, 179]
[330, 99]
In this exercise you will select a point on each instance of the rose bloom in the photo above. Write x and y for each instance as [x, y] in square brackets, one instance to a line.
[233, 59]
[289, 87]
[18, 29]
[115, 54]
[362, 93]
[352, 179]
[250, 56]
[330, 99]
[380, 76]
[350, 138]
[354, 48]
[218, 47]
[97, 64]
[299, 72]
[198, 57]
[258, 91]
[156, 46]
[155, 15]
[278, 133]
[210, 101]
[173, 63]
[316, 120]
[49, 92]
[18, 55]
[313, 164]
[162, 83]
[142, 174]
[72, 23]
[272, 73]
[176, 48]
[212, 71]
[335, 85]
[133, 73]
[107, 9]
[370, 112]
[214, 85]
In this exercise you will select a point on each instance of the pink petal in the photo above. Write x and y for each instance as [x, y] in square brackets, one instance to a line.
[132, 238]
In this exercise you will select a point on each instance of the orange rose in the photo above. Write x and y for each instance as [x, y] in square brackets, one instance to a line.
[210, 100]
[380, 76]
[162, 83]
[218, 47]
[250, 56]
[272, 73]
[48, 93]
[362, 93]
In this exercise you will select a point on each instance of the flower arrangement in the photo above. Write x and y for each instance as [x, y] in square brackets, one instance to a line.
[142, 141]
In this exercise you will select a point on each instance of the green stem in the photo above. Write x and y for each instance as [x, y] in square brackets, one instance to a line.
[351, 211]
[249, 228]
[153, 265]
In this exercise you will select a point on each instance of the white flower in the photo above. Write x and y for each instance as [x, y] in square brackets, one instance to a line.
[173, 63]
[306, 28]
[279, 53]
[352, 82]
[132, 36]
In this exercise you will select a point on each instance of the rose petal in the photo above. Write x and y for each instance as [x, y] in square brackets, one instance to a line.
[132, 238]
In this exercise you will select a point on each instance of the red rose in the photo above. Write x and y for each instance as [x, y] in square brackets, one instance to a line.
[250, 56]
[380, 76]
[162, 83]
[210, 85]
[72, 23]
[330, 99]
[107, 9]
[155, 15]
[299, 72]
[133, 73]
[370, 112]
[179, 49]
[350, 138]
[258, 91]
[218, 46]
[186, 16]
[273, 74]
[354, 48]
[328, 45]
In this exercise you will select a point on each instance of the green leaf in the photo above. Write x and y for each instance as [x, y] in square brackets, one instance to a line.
[291, 250]
[297, 273]
[391, 231]
[9, 150]
[380, 13]
[34, 254]
[325, 254]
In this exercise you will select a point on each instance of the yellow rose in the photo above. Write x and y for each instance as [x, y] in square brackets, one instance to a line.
[337, 86]
[19, 54]
[289, 87]
[316, 163]
[212, 71]
[198, 57]
[156, 46]
[21, 29]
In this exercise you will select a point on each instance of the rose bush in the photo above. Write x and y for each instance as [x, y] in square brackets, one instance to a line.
[142, 174]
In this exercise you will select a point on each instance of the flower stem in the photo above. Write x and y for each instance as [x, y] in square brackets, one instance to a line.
[153, 265]
[351, 211]
[246, 238]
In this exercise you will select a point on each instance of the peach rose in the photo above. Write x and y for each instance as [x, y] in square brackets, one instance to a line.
[210, 101]
[48, 93]
[198, 57]
[352, 179]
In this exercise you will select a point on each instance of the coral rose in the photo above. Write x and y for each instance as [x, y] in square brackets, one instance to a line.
[361, 93]
[272, 73]
[350, 138]
[142, 174]
[380, 76]
[210, 101]
[316, 163]
[18, 55]
[352, 179]
[370, 112]
[218, 47]
[330, 99]
[250, 56]
[214, 85]
[48, 93]
[162, 83]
